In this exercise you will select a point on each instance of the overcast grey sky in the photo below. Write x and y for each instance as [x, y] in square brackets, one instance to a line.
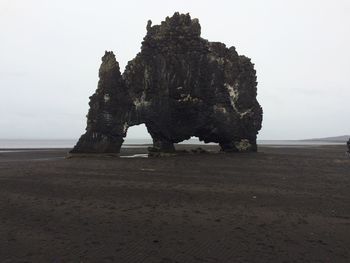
[50, 54]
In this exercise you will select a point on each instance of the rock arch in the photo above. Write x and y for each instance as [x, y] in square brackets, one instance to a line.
[179, 85]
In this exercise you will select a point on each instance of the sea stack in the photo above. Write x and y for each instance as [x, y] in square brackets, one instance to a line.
[180, 85]
[107, 116]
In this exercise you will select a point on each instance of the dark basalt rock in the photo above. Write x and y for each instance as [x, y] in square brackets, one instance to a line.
[179, 85]
[108, 114]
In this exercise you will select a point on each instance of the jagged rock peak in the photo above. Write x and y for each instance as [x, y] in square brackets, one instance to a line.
[179, 25]
[109, 64]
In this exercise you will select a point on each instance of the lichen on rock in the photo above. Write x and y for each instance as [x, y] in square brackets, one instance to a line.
[180, 85]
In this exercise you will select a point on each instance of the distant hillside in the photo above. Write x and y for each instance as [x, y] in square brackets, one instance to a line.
[342, 138]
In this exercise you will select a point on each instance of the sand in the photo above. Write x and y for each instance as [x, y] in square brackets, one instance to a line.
[283, 204]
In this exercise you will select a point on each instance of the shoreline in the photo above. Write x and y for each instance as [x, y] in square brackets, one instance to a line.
[142, 145]
[140, 151]
[136, 143]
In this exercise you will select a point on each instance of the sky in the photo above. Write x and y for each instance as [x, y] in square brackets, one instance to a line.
[50, 52]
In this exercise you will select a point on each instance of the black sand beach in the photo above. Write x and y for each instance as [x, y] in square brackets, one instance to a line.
[283, 204]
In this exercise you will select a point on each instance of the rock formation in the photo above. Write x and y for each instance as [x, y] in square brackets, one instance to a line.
[179, 85]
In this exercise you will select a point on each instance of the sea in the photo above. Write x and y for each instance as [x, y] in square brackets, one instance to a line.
[69, 143]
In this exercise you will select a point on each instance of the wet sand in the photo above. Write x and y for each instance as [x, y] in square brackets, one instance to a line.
[283, 204]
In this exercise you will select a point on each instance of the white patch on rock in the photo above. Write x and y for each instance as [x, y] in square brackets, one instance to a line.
[185, 98]
[243, 145]
[233, 92]
[219, 60]
[141, 102]
[245, 113]
[106, 97]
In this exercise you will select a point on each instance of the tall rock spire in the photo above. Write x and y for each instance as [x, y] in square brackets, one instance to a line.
[106, 120]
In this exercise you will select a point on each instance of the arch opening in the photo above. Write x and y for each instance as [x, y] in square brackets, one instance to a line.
[194, 144]
[137, 135]
[136, 142]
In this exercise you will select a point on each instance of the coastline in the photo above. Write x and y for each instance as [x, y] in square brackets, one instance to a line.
[7, 144]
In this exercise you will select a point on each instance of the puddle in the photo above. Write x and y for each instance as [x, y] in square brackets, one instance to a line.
[135, 146]
[143, 155]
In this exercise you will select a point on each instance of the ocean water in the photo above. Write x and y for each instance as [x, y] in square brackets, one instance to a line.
[25, 144]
